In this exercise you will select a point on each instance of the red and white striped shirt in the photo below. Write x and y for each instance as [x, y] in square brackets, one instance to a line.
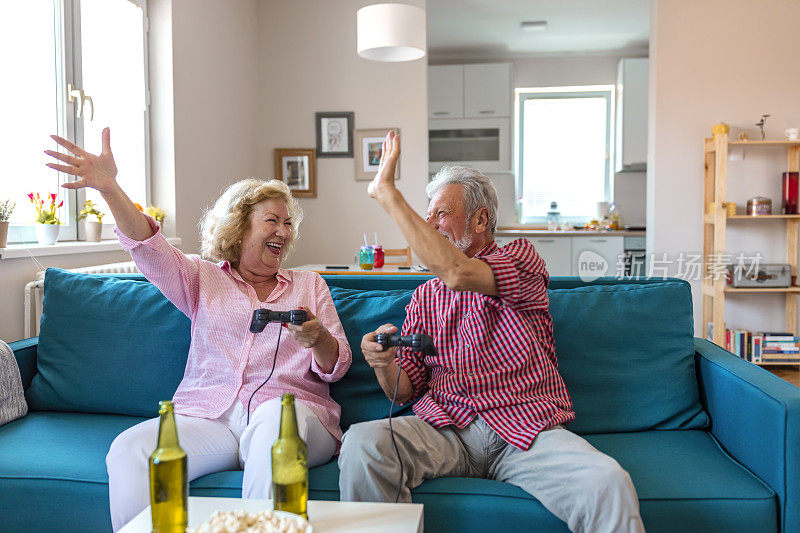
[495, 354]
[225, 360]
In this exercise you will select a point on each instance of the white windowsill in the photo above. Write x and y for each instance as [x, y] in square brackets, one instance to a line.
[13, 251]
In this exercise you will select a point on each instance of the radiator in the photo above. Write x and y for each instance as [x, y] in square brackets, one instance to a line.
[34, 292]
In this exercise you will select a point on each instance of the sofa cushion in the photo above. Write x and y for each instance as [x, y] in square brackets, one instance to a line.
[358, 392]
[107, 345]
[57, 460]
[626, 353]
[684, 480]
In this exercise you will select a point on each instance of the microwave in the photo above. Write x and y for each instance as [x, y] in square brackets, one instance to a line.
[480, 143]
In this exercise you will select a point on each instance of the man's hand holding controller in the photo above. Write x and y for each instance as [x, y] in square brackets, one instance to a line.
[374, 353]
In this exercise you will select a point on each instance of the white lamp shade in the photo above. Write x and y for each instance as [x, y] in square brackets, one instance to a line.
[391, 32]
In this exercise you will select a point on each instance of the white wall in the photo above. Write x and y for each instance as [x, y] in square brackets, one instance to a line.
[308, 63]
[719, 61]
[216, 99]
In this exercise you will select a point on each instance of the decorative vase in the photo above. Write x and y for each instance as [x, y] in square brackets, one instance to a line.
[93, 230]
[3, 234]
[47, 233]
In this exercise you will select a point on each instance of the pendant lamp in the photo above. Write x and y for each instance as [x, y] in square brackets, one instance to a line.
[391, 32]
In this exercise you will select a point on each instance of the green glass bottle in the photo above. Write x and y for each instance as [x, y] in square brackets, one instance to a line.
[289, 464]
[169, 485]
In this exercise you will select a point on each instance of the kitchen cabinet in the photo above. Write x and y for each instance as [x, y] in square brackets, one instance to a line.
[446, 91]
[556, 252]
[469, 91]
[487, 90]
[597, 255]
[631, 116]
[469, 109]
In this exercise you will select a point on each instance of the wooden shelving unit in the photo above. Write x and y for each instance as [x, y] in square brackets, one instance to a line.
[715, 225]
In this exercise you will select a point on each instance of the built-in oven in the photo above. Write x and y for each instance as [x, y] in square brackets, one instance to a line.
[635, 257]
[479, 143]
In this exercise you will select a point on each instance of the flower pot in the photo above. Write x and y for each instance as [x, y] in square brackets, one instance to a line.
[3, 234]
[47, 233]
[92, 230]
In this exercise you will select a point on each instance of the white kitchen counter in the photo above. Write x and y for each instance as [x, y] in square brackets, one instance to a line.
[538, 232]
[566, 253]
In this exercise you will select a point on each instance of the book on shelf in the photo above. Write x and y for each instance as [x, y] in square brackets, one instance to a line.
[761, 347]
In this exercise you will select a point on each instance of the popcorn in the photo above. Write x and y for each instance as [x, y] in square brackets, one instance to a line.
[256, 522]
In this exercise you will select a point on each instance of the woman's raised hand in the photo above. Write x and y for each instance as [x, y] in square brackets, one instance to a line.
[96, 171]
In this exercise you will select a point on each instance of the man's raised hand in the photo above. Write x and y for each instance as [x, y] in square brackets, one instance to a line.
[390, 153]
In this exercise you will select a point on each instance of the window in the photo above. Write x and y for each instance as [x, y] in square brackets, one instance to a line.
[563, 151]
[58, 48]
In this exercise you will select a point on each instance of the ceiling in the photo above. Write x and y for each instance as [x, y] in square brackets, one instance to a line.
[491, 28]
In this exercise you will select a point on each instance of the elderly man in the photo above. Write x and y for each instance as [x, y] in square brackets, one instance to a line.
[491, 403]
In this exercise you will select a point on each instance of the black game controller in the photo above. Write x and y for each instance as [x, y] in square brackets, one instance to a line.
[419, 342]
[262, 317]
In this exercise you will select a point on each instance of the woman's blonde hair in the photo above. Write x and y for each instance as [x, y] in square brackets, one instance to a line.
[223, 226]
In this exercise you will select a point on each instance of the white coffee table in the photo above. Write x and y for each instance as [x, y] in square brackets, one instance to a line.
[325, 516]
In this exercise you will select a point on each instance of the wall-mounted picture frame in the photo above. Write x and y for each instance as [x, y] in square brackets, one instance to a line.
[368, 146]
[297, 167]
[335, 133]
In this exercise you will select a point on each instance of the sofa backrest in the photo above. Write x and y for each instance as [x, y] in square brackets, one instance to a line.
[107, 344]
[625, 348]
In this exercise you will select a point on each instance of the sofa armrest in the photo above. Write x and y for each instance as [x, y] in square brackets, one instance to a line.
[755, 416]
[25, 354]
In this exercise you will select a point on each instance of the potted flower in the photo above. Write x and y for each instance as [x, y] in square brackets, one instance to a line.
[47, 223]
[157, 213]
[6, 208]
[93, 228]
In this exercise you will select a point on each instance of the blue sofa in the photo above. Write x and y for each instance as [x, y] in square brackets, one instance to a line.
[710, 441]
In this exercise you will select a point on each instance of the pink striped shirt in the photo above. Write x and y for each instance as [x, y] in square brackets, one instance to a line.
[496, 356]
[225, 360]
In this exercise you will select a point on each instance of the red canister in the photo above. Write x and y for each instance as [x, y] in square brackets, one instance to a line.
[377, 255]
[790, 181]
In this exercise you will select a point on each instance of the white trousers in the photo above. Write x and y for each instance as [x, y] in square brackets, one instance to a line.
[225, 443]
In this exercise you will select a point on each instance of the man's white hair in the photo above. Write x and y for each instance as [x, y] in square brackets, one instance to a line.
[479, 191]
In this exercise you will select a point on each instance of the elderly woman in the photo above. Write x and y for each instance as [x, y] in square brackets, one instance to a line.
[228, 402]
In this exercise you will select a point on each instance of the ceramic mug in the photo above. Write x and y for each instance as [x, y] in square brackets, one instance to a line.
[792, 134]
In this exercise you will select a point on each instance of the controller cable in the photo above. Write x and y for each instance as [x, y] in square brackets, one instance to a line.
[391, 430]
[274, 358]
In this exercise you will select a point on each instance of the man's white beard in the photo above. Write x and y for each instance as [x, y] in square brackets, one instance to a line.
[463, 243]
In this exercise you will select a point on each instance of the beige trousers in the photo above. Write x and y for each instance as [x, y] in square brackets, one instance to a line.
[580, 485]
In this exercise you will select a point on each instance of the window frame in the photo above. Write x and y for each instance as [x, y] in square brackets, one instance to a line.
[583, 91]
[68, 66]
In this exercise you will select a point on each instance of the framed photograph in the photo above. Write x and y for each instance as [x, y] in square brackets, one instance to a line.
[298, 168]
[368, 146]
[335, 134]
